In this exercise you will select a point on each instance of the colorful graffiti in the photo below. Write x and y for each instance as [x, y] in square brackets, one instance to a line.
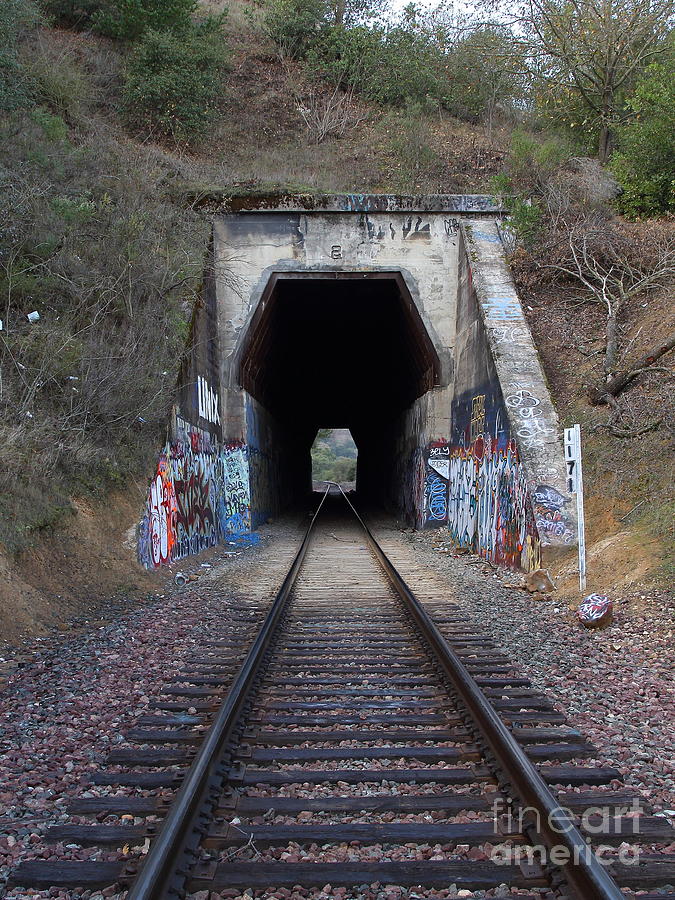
[157, 535]
[437, 466]
[549, 510]
[490, 511]
[199, 496]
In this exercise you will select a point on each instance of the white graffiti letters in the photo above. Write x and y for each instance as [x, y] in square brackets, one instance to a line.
[522, 400]
[208, 401]
[532, 431]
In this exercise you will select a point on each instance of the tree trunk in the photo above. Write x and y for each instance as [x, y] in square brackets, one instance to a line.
[612, 344]
[618, 382]
[604, 143]
[340, 9]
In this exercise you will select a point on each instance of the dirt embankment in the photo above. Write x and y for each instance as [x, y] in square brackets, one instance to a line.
[628, 480]
[84, 569]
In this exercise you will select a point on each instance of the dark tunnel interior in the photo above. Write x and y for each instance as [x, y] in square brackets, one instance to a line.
[349, 351]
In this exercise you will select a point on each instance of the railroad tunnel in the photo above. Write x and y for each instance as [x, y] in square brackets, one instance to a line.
[338, 350]
[394, 317]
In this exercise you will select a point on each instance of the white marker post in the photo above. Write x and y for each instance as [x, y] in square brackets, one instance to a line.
[575, 485]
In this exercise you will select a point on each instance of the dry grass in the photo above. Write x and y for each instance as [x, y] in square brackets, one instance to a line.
[629, 482]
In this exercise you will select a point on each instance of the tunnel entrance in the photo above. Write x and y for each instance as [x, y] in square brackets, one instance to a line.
[337, 350]
[395, 317]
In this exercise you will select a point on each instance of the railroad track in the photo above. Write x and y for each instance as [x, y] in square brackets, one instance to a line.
[362, 742]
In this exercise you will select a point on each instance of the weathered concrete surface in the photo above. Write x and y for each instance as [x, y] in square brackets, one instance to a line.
[397, 318]
[217, 199]
[254, 248]
[532, 416]
[507, 491]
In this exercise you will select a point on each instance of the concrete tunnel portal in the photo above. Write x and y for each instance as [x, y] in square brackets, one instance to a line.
[395, 317]
[341, 350]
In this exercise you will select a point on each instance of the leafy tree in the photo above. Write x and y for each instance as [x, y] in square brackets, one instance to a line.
[485, 69]
[174, 80]
[410, 67]
[327, 465]
[122, 19]
[356, 12]
[294, 24]
[594, 50]
[645, 163]
[389, 65]
[298, 25]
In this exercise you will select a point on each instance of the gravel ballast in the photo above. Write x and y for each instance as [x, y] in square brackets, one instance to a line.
[75, 698]
[616, 685]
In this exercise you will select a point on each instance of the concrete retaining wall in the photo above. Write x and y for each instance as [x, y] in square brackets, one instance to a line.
[508, 496]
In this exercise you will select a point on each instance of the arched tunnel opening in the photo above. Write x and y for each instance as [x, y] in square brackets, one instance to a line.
[337, 350]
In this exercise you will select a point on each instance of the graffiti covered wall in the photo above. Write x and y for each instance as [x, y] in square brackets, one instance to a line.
[527, 402]
[199, 496]
[490, 508]
[436, 482]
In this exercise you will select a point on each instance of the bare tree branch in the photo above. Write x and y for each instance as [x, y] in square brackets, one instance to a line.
[621, 380]
[613, 273]
[631, 432]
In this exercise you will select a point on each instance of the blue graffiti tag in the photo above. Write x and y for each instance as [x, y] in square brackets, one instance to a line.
[437, 499]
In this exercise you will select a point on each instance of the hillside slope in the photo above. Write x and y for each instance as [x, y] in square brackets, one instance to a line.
[101, 232]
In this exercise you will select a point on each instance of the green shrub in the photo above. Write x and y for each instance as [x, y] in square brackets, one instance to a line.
[74, 210]
[391, 66]
[174, 80]
[128, 19]
[294, 25]
[345, 56]
[298, 25]
[122, 19]
[14, 91]
[16, 18]
[645, 161]
[409, 67]
[525, 220]
[53, 127]
[532, 162]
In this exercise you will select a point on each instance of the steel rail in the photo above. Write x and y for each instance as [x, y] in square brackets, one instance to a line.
[160, 865]
[583, 873]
